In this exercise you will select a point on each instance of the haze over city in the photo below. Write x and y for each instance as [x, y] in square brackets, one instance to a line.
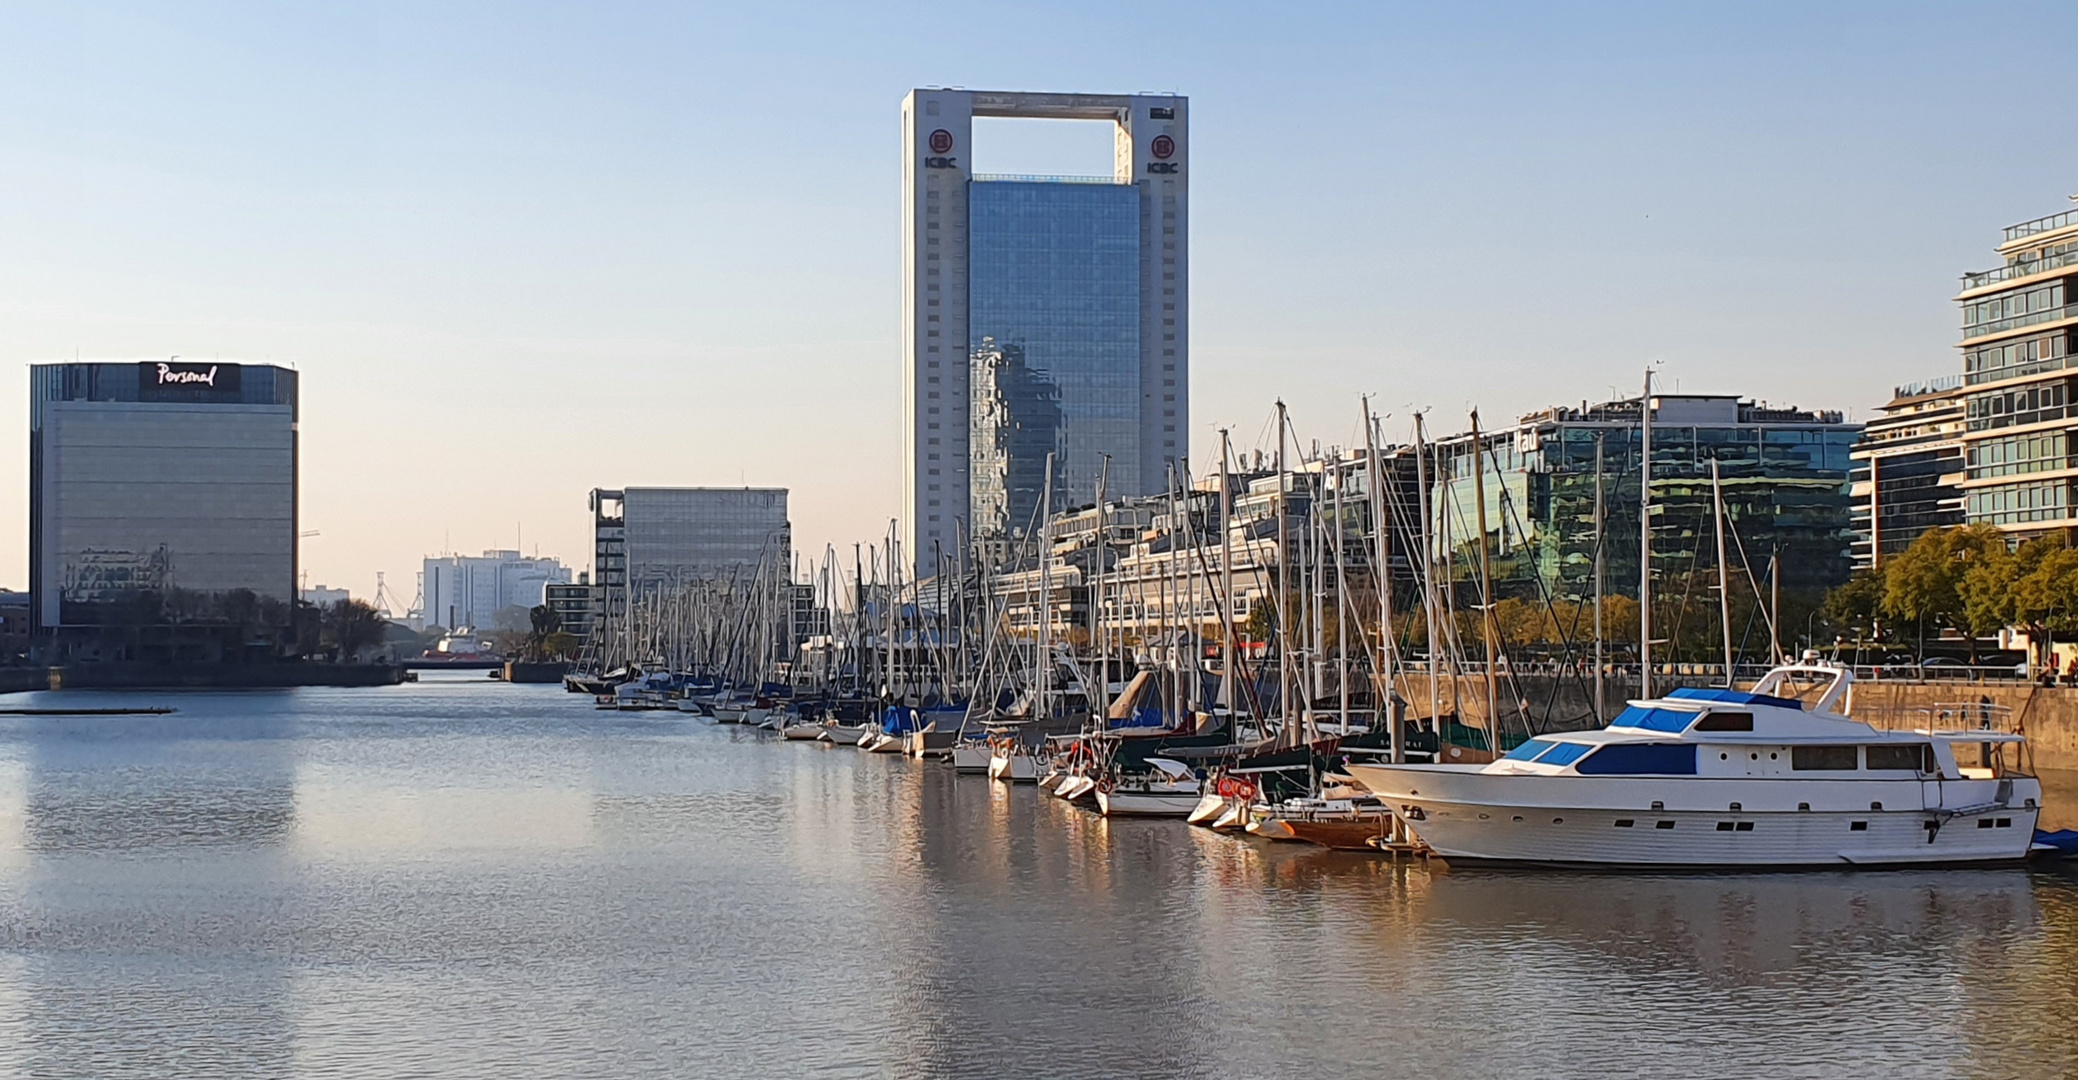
[517, 253]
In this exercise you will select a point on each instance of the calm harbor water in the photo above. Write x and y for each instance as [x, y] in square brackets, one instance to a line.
[465, 879]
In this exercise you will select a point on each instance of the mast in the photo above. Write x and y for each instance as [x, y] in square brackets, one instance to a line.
[1040, 704]
[1284, 649]
[1601, 519]
[1486, 591]
[1428, 567]
[1341, 606]
[1645, 540]
[1103, 642]
[1381, 522]
[1226, 565]
[1724, 592]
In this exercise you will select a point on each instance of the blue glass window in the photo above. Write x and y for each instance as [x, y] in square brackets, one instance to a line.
[1565, 753]
[1641, 759]
[1528, 751]
[1055, 268]
[1667, 720]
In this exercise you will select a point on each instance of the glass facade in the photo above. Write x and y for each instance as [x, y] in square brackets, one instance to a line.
[1016, 434]
[682, 534]
[1785, 490]
[162, 493]
[1054, 268]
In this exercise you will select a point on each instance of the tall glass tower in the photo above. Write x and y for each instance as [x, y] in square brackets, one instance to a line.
[1087, 277]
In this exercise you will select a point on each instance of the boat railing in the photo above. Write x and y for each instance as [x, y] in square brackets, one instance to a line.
[1940, 718]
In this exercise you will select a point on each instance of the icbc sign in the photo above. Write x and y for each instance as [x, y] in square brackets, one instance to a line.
[941, 142]
[1163, 146]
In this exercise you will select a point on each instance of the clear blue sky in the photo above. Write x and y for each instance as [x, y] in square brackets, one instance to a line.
[520, 250]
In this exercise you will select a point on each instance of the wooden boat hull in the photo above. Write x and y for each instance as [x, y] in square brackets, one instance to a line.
[1349, 834]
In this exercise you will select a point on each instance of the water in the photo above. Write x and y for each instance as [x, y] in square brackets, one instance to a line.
[467, 879]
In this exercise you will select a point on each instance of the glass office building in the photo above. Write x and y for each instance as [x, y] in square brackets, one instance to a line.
[1055, 270]
[161, 493]
[1785, 478]
[1089, 276]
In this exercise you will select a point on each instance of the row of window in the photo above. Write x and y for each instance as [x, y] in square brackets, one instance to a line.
[1679, 759]
[2018, 454]
[2015, 358]
[2019, 406]
[2010, 305]
[2018, 504]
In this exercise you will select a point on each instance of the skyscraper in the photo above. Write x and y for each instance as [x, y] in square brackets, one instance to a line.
[1087, 276]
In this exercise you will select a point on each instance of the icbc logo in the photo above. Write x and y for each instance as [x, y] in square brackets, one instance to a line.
[941, 141]
[1163, 146]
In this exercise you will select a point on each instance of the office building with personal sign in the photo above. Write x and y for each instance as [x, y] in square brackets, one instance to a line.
[161, 494]
[1087, 277]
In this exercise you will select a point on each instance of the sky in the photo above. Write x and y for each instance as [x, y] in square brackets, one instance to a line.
[522, 250]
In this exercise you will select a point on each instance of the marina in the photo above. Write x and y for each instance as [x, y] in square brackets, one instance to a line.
[473, 879]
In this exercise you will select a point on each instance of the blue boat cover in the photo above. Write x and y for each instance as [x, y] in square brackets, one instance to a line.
[1734, 697]
[2065, 841]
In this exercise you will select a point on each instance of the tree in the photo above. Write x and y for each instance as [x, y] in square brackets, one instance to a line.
[350, 626]
[2045, 593]
[1924, 583]
[1856, 604]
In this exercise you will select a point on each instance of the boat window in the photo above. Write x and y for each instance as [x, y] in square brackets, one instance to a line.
[1565, 753]
[1641, 759]
[1915, 756]
[1667, 720]
[1528, 751]
[1838, 758]
[1725, 721]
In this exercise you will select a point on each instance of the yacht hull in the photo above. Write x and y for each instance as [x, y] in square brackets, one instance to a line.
[970, 760]
[1465, 814]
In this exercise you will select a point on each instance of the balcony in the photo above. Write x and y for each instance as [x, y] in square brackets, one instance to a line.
[2041, 225]
[2032, 318]
[2014, 271]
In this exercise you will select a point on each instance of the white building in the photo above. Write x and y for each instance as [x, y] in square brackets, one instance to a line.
[1089, 276]
[325, 596]
[467, 590]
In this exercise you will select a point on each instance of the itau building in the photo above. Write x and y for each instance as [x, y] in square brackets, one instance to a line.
[1085, 277]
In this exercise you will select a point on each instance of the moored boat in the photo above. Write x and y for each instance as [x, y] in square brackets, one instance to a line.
[1727, 778]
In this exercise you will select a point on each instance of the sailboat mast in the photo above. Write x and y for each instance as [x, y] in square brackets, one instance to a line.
[1724, 592]
[1645, 539]
[1102, 559]
[1226, 570]
[1284, 560]
[1341, 604]
[1486, 590]
[1040, 707]
[1428, 566]
[1601, 520]
[1382, 551]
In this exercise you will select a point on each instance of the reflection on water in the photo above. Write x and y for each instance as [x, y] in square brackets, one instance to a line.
[471, 879]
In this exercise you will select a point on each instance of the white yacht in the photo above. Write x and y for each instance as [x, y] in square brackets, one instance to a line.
[1728, 778]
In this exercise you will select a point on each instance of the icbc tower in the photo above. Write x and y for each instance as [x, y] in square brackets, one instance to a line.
[1082, 281]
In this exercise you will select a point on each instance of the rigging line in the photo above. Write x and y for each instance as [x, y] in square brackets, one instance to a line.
[1511, 512]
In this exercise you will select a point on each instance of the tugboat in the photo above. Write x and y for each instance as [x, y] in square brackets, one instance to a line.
[1729, 778]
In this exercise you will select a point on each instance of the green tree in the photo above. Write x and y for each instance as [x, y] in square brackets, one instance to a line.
[1924, 583]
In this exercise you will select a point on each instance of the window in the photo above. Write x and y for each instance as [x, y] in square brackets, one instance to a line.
[1837, 758]
[1565, 753]
[1725, 721]
[1529, 750]
[2014, 504]
[1667, 720]
[2018, 454]
[1641, 759]
[1915, 757]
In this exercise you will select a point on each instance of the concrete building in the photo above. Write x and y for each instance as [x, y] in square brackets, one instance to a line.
[324, 596]
[161, 493]
[2016, 345]
[471, 590]
[1089, 276]
[573, 604]
[1908, 469]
